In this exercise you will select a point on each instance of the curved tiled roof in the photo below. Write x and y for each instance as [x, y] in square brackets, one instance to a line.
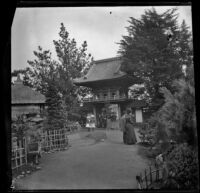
[22, 94]
[103, 70]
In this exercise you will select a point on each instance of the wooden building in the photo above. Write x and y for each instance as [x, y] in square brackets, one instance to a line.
[25, 100]
[110, 88]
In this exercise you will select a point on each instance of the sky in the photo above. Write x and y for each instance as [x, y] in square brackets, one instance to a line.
[101, 27]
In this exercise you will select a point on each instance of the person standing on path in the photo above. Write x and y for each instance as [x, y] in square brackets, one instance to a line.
[122, 125]
[129, 132]
[90, 124]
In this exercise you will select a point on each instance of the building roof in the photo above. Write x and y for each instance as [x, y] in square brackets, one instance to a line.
[22, 94]
[105, 69]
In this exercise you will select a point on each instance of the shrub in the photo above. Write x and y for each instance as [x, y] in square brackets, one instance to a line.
[147, 135]
[182, 163]
[19, 127]
[176, 119]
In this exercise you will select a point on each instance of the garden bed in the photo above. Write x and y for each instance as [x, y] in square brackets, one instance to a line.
[146, 151]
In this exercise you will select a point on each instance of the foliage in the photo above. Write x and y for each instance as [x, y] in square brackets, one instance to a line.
[19, 127]
[155, 51]
[190, 74]
[79, 113]
[72, 63]
[145, 134]
[54, 78]
[40, 71]
[16, 72]
[182, 163]
[34, 132]
[24, 127]
[179, 114]
[152, 132]
[147, 152]
[75, 62]
[138, 92]
[176, 119]
[56, 110]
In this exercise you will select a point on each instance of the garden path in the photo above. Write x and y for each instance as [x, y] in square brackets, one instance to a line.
[107, 164]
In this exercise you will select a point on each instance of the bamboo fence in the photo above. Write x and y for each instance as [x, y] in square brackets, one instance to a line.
[51, 140]
[54, 140]
[19, 154]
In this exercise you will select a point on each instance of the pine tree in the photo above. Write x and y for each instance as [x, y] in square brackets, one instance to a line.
[155, 51]
[56, 112]
[54, 78]
[73, 62]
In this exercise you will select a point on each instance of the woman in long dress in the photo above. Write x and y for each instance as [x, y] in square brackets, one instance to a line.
[129, 132]
[122, 125]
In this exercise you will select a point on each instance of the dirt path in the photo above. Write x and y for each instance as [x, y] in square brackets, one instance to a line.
[88, 165]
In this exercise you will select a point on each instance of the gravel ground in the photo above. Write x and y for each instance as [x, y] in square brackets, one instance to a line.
[95, 160]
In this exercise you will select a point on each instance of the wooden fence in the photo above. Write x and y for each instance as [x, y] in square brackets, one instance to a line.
[150, 177]
[51, 140]
[19, 153]
[55, 139]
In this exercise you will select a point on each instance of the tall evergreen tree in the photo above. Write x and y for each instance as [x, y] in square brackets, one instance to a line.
[56, 112]
[54, 78]
[155, 50]
[73, 62]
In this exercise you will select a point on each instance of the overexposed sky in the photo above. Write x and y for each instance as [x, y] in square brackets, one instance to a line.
[40, 26]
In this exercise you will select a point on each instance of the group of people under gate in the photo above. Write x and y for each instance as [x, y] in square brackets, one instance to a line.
[102, 120]
[126, 124]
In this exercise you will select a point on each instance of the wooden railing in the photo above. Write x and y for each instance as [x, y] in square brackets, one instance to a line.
[108, 98]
